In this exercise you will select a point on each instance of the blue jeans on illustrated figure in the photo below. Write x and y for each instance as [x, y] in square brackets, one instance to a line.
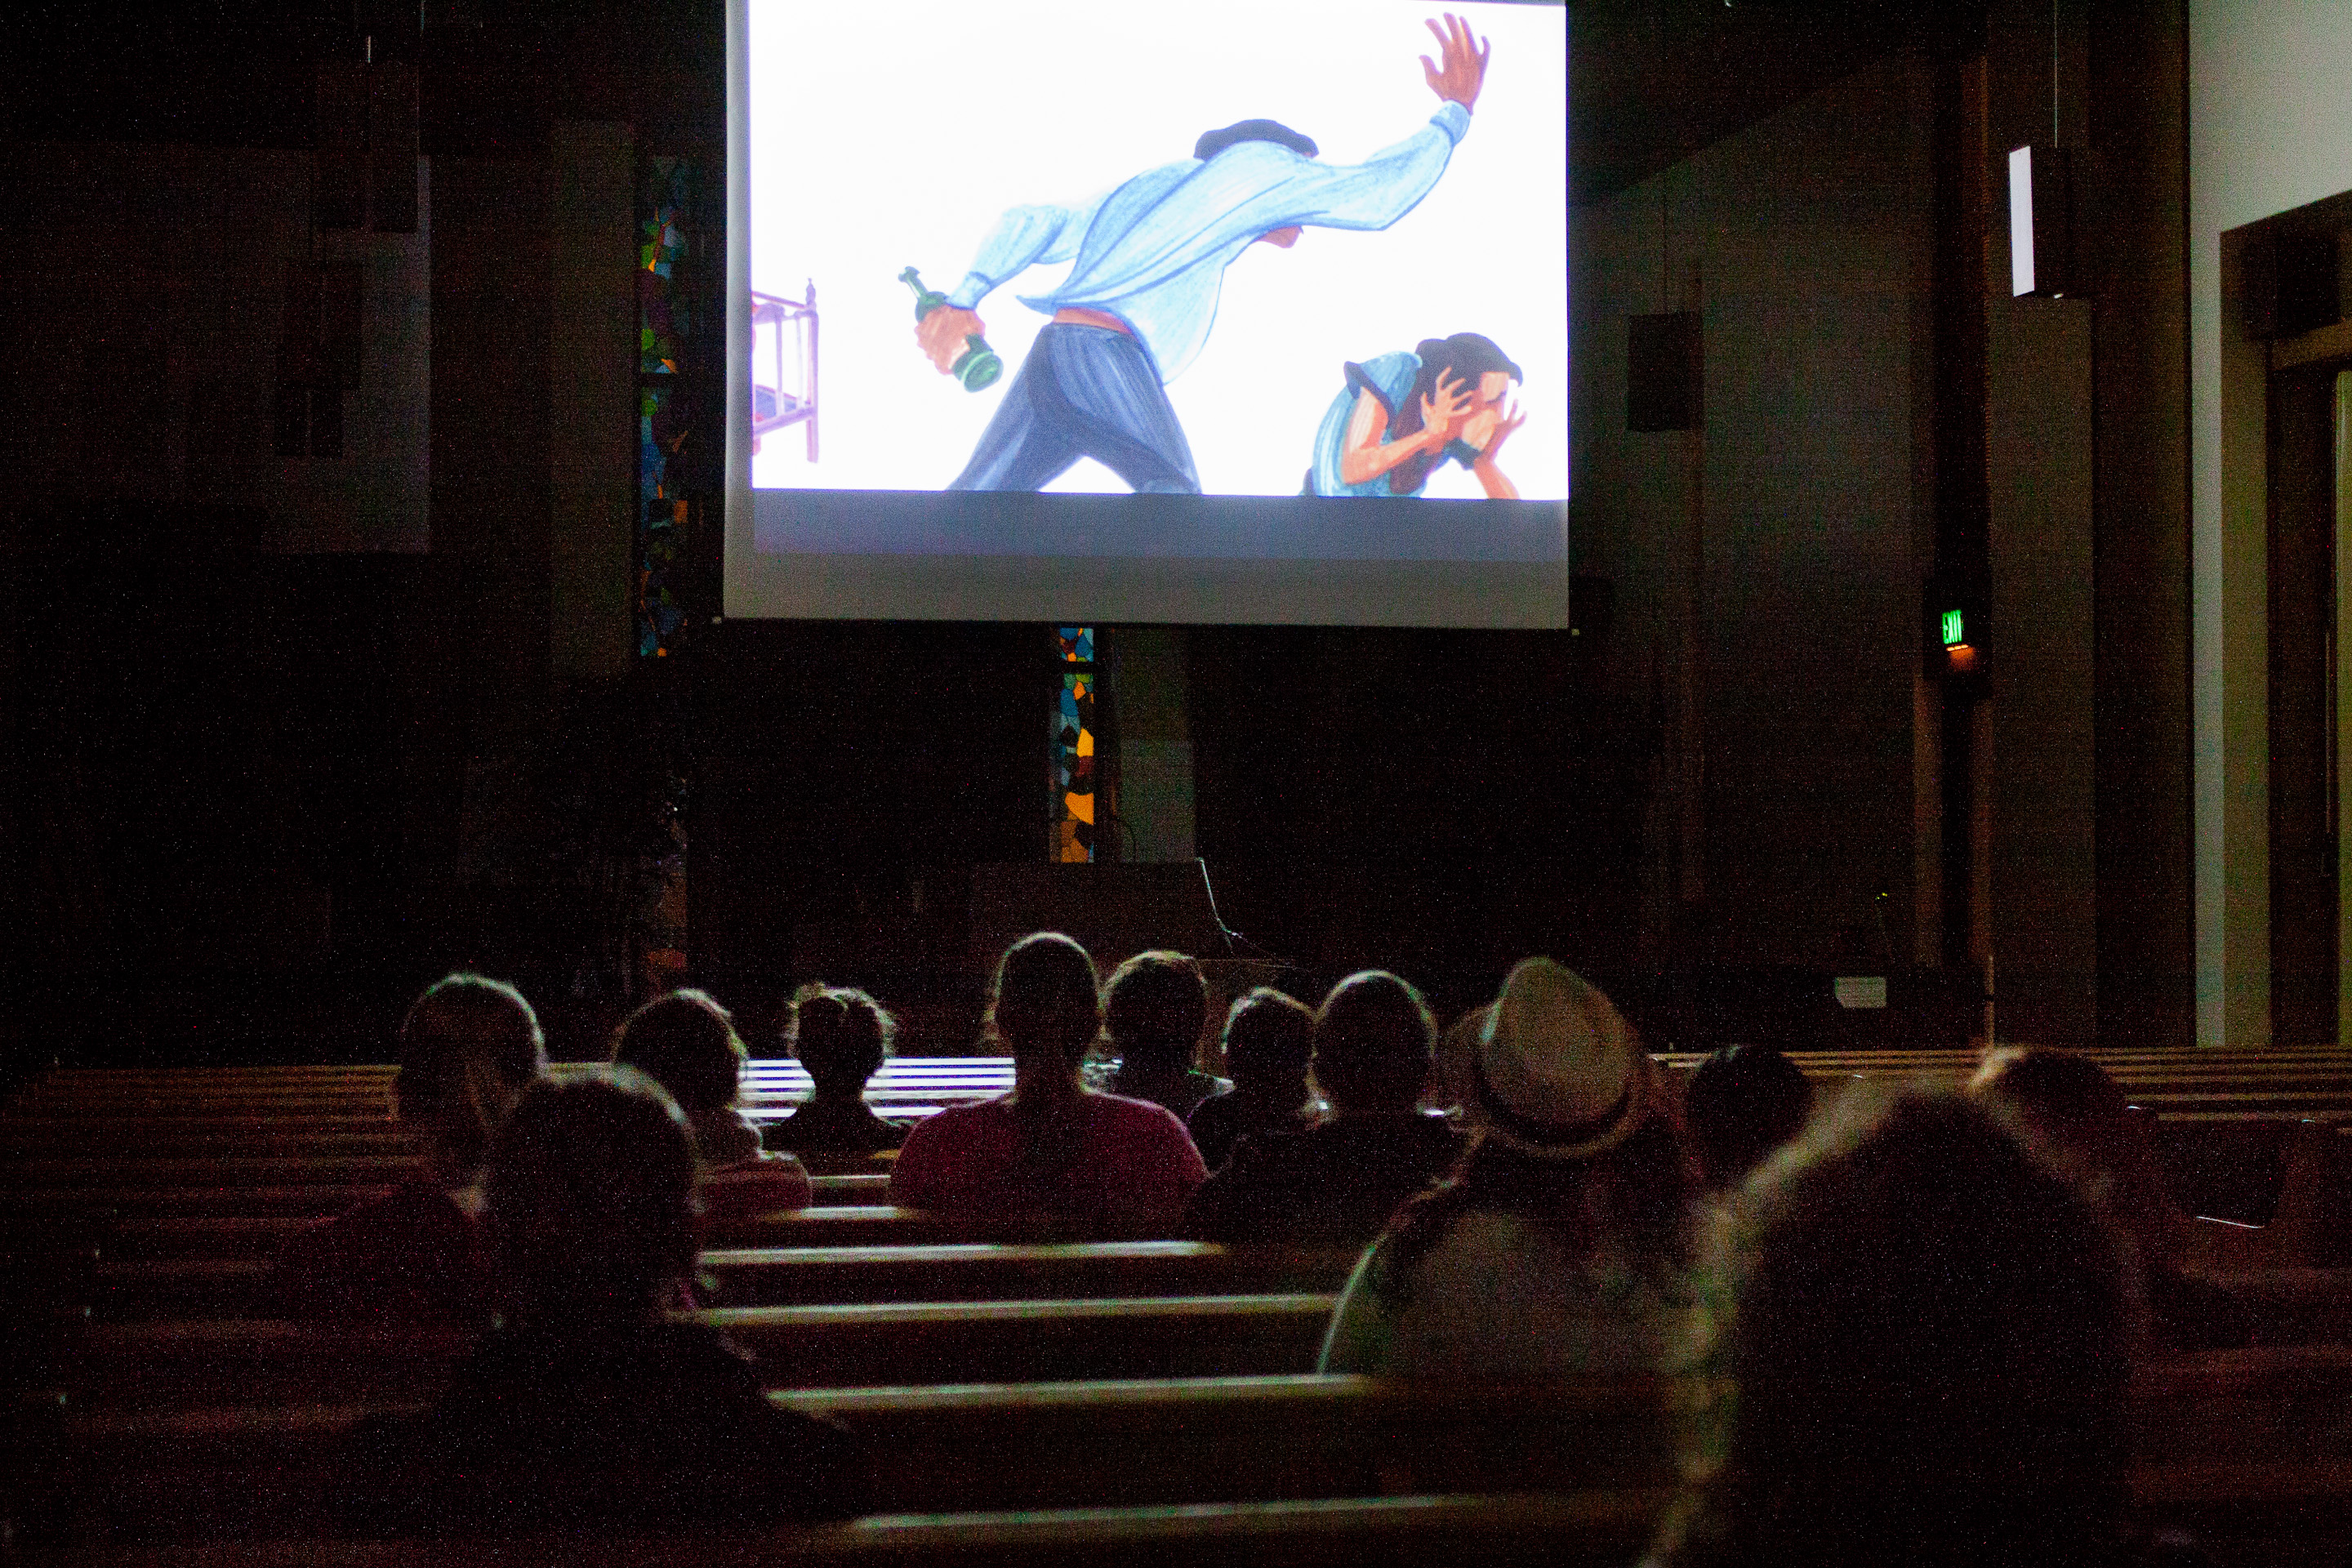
[1084, 391]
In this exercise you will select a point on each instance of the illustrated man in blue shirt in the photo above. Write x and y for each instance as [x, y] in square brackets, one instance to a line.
[1149, 257]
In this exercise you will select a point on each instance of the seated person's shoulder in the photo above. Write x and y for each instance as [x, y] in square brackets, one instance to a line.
[813, 1131]
[410, 1258]
[951, 1148]
[663, 1424]
[757, 1185]
[1136, 1121]
[1440, 1136]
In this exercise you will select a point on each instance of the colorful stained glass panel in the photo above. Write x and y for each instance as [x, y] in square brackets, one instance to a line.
[664, 202]
[1076, 785]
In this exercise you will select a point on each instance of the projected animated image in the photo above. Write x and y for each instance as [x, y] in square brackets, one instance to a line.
[1265, 250]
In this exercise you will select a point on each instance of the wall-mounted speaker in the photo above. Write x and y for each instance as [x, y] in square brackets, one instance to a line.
[1665, 370]
[2040, 231]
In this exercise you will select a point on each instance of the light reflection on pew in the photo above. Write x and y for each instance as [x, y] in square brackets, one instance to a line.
[261, 1236]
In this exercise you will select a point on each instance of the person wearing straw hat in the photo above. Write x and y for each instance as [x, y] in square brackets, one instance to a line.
[1563, 1248]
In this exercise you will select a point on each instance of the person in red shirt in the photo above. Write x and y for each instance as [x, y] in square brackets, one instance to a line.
[1051, 1158]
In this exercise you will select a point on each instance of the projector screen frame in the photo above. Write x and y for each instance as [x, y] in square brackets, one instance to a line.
[1222, 577]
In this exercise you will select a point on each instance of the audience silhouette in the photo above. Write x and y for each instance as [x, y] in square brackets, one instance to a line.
[587, 1409]
[1154, 1007]
[686, 1043]
[1336, 1183]
[1268, 1039]
[1052, 1157]
[414, 1258]
[1931, 1352]
[842, 1036]
[1561, 1249]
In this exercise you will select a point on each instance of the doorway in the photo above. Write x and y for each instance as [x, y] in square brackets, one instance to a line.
[2310, 508]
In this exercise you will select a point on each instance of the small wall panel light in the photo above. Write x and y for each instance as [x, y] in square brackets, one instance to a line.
[2041, 261]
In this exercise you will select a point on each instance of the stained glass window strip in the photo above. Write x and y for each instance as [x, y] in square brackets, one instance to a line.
[1075, 779]
[668, 233]
[662, 518]
[662, 309]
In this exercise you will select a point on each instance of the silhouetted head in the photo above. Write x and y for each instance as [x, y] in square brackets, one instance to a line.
[1373, 1044]
[2065, 1099]
[1742, 1103]
[686, 1043]
[1930, 1349]
[842, 1036]
[2081, 1123]
[1212, 143]
[1154, 1007]
[1268, 1039]
[468, 1046]
[1044, 1005]
[590, 1202]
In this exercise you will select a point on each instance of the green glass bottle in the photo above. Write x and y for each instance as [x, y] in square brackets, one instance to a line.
[978, 366]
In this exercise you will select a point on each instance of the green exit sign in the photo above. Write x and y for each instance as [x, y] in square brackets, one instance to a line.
[1953, 633]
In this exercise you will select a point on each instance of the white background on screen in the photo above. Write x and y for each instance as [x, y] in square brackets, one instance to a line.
[883, 135]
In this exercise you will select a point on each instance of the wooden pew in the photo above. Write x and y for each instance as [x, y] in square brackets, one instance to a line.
[195, 1475]
[199, 1288]
[312, 1201]
[261, 1236]
[186, 1364]
[2251, 1449]
[1579, 1530]
[765, 1081]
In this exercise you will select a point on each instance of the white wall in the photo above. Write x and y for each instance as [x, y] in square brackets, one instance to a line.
[2270, 115]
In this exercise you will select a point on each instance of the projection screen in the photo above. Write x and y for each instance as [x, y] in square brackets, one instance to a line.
[1267, 308]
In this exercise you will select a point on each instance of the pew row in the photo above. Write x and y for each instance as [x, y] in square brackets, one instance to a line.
[1585, 1530]
[165, 1365]
[947, 1449]
[262, 1236]
[312, 1200]
[198, 1287]
[2249, 1448]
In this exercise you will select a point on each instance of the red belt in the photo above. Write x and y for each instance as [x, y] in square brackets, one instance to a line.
[1079, 316]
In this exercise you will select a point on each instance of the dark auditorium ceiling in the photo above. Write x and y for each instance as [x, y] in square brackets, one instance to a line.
[1651, 81]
